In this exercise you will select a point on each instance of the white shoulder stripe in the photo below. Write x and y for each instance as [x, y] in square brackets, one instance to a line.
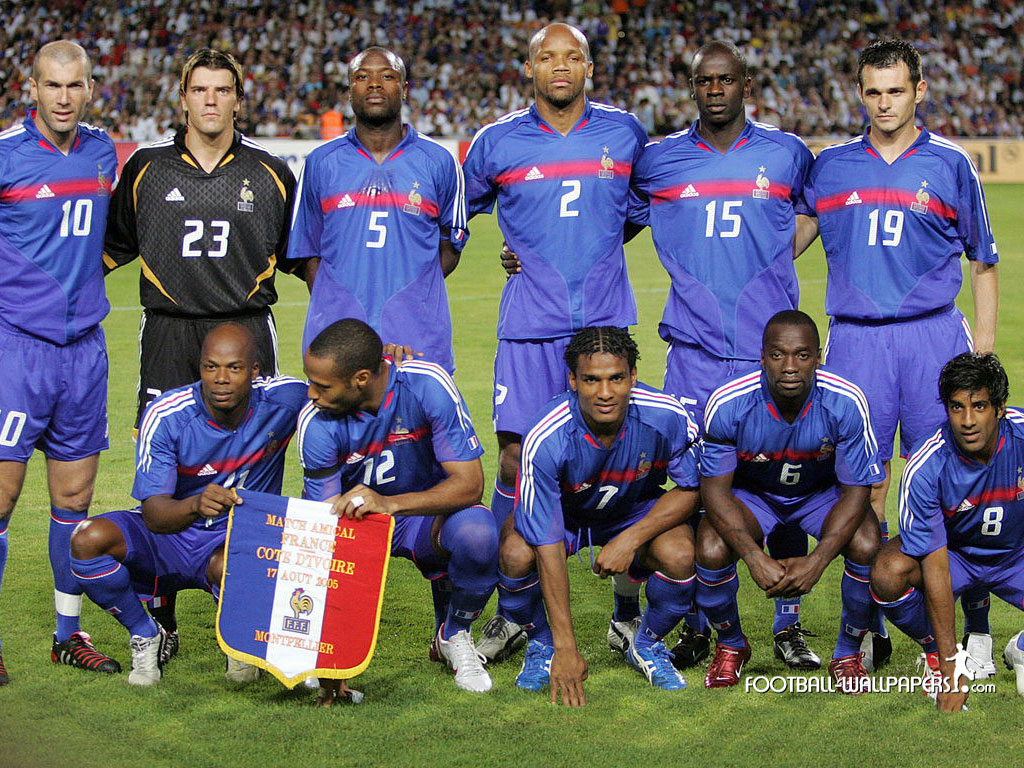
[151, 423]
[500, 121]
[941, 141]
[531, 444]
[841, 386]
[440, 375]
[729, 391]
[459, 215]
[914, 463]
[14, 130]
[306, 415]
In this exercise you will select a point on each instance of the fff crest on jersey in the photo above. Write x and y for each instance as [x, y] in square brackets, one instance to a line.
[102, 182]
[644, 467]
[826, 450]
[300, 603]
[921, 206]
[245, 197]
[399, 434]
[607, 166]
[762, 183]
[1020, 484]
[415, 200]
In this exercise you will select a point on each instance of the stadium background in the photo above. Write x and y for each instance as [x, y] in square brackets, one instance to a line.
[413, 714]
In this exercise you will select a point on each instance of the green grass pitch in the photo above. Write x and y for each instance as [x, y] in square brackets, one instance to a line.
[413, 714]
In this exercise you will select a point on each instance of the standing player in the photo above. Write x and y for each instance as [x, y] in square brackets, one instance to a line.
[961, 518]
[206, 213]
[399, 441]
[724, 200]
[897, 207]
[789, 443]
[592, 472]
[197, 445]
[55, 177]
[382, 209]
[559, 175]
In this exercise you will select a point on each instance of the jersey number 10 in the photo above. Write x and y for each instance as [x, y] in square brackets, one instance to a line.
[77, 218]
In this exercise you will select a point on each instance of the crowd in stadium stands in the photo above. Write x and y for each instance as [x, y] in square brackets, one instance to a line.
[465, 58]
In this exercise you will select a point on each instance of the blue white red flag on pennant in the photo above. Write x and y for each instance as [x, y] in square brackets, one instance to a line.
[302, 589]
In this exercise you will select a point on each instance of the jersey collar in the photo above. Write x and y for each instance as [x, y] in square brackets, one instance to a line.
[407, 141]
[30, 126]
[774, 410]
[179, 144]
[584, 119]
[923, 137]
[698, 140]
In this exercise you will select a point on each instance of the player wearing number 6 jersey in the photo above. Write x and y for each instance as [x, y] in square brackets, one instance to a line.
[558, 175]
[55, 178]
[383, 210]
[897, 207]
[961, 518]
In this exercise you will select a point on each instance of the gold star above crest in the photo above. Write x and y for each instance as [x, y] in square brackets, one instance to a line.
[605, 150]
[760, 169]
[924, 184]
[245, 182]
[415, 185]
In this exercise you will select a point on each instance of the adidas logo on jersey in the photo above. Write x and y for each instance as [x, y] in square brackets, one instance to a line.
[534, 174]
[207, 471]
[44, 191]
[965, 505]
[689, 192]
[355, 458]
[854, 198]
[174, 196]
[760, 458]
[346, 202]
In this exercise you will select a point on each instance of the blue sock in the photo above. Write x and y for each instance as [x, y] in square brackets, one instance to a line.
[859, 609]
[441, 593]
[501, 502]
[908, 613]
[67, 594]
[1020, 641]
[975, 602]
[696, 620]
[668, 601]
[627, 597]
[525, 605]
[716, 593]
[107, 584]
[786, 541]
[471, 538]
[884, 525]
[3, 551]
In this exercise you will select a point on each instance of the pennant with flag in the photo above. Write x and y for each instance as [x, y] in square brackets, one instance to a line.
[302, 589]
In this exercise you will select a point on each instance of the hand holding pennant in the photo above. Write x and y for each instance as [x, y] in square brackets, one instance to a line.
[302, 589]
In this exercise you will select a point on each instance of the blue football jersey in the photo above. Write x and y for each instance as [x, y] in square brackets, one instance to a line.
[949, 500]
[422, 421]
[53, 214]
[562, 206]
[182, 449]
[893, 234]
[377, 229]
[829, 443]
[723, 226]
[569, 479]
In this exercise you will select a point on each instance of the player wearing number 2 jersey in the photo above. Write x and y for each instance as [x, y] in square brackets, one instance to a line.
[55, 178]
[383, 210]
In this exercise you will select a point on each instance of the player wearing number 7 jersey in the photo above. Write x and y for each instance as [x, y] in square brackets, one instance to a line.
[382, 209]
[55, 177]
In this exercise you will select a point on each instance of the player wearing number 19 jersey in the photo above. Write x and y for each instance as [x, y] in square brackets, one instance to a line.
[55, 179]
[383, 209]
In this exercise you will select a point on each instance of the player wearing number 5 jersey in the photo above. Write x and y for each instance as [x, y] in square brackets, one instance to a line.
[383, 210]
[55, 178]
[206, 213]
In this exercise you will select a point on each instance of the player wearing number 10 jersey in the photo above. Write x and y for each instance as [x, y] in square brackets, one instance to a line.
[206, 213]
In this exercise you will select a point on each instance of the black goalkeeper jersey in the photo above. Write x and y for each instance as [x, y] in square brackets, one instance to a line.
[209, 243]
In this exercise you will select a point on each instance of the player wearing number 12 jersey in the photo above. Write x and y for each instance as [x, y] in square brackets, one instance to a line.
[382, 209]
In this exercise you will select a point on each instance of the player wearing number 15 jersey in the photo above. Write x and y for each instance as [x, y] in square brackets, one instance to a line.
[206, 213]
[383, 210]
[55, 178]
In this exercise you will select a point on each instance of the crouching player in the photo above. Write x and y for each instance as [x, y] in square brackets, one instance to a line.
[790, 443]
[196, 445]
[399, 441]
[591, 472]
[961, 518]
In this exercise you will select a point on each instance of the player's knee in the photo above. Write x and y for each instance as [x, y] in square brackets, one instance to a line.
[10, 490]
[516, 558]
[673, 553]
[712, 551]
[893, 572]
[863, 547]
[215, 567]
[96, 537]
[473, 535]
[508, 462]
[76, 498]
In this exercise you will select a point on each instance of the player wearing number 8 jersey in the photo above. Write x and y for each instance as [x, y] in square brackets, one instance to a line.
[55, 178]
[207, 214]
[382, 209]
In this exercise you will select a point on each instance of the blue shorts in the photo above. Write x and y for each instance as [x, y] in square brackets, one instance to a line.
[578, 538]
[164, 563]
[55, 398]
[808, 513]
[1003, 575]
[527, 374]
[411, 539]
[692, 374]
[902, 381]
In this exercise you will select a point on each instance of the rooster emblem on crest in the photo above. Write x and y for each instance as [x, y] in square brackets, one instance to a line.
[300, 602]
